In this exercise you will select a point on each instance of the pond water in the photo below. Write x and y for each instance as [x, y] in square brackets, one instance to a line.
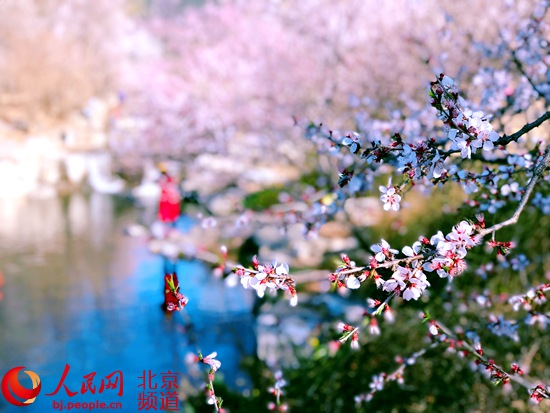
[77, 292]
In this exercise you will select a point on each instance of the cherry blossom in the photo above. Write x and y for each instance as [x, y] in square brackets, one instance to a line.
[211, 361]
[390, 197]
[374, 329]
[383, 251]
[269, 275]
[396, 283]
[417, 283]
[352, 282]
[462, 146]
[377, 382]
[433, 327]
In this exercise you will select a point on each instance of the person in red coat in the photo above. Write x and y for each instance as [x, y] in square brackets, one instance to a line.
[169, 205]
[169, 211]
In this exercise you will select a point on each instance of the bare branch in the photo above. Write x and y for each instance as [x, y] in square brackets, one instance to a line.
[519, 65]
[539, 169]
[505, 140]
[521, 380]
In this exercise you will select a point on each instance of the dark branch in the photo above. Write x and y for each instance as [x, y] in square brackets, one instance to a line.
[539, 169]
[505, 140]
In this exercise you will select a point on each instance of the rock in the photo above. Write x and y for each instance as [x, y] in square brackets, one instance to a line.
[100, 176]
[363, 212]
[255, 178]
[334, 229]
[340, 244]
[271, 236]
[136, 230]
[308, 253]
[226, 202]
[76, 168]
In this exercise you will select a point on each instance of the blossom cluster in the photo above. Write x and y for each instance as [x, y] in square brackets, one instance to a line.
[444, 255]
[468, 130]
[378, 381]
[532, 302]
[533, 297]
[422, 152]
[419, 151]
[210, 392]
[455, 343]
[270, 276]
[277, 391]
[349, 332]
[500, 326]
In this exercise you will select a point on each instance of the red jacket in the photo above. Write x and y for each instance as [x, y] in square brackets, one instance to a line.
[169, 205]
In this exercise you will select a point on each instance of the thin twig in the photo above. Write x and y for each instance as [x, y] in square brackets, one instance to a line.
[519, 65]
[522, 381]
[383, 305]
[505, 140]
[540, 168]
[216, 402]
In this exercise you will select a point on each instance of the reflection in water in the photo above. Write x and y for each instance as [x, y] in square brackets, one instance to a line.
[36, 226]
[77, 212]
[78, 292]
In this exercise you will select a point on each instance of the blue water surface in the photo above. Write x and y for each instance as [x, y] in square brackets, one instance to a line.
[77, 292]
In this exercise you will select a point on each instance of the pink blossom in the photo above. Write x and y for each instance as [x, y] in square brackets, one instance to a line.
[394, 284]
[416, 286]
[374, 329]
[383, 251]
[390, 198]
[389, 316]
[372, 302]
[377, 382]
[211, 361]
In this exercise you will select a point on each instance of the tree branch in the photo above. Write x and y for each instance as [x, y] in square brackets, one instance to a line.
[522, 381]
[539, 169]
[386, 264]
[505, 140]
[519, 65]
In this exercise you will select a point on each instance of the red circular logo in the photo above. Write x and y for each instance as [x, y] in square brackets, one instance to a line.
[14, 392]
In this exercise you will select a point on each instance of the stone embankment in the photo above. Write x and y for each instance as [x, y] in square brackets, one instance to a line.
[53, 160]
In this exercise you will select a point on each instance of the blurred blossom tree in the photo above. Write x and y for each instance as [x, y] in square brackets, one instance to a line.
[236, 68]
[55, 55]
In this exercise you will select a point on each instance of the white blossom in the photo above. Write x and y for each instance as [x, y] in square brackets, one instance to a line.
[211, 361]
[352, 282]
[390, 197]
